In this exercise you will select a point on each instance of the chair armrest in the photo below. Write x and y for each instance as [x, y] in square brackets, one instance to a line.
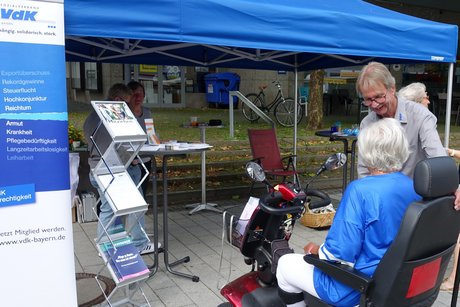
[290, 157]
[290, 162]
[341, 272]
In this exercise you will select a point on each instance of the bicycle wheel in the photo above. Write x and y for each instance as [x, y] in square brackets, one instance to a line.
[247, 111]
[284, 112]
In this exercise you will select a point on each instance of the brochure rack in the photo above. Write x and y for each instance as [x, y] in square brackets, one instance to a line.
[121, 258]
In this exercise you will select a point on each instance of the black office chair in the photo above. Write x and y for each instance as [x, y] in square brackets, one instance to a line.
[412, 269]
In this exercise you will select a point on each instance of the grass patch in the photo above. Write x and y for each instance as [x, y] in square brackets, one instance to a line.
[169, 123]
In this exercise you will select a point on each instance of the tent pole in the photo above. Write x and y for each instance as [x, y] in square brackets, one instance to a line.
[126, 67]
[296, 97]
[230, 112]
[126, 73]
[450, 79]
[295, 113]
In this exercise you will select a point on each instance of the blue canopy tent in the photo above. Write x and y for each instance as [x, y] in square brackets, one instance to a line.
[292, 35]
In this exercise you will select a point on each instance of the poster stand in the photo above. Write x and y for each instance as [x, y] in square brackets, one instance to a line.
[120, 257]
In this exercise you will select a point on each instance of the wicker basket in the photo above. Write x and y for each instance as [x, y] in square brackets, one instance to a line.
[317, 220]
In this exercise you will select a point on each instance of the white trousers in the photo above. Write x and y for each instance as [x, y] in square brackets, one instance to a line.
[295, 275]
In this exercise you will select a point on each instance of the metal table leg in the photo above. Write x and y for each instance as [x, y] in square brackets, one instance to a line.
[353, 160]
[154, 267]
[345, 167]
[165, 229]
[203, 205]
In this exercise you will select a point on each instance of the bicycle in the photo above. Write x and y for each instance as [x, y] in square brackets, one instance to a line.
[283, 107]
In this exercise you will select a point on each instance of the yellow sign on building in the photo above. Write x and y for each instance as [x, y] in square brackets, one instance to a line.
[349, 74]
[338, 80]
[148, 69]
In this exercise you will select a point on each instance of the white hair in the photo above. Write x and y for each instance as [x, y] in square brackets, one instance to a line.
[383, 146]
[415, 92]
[372, 75]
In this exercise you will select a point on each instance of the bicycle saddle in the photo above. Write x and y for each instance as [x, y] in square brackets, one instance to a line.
[262, 87]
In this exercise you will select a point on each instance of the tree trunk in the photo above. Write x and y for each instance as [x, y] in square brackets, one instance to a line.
[315, 100]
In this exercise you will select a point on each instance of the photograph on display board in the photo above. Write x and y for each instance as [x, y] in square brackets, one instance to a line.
[114, 111]
[118, 119]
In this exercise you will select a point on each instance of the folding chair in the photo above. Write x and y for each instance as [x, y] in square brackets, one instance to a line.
[265, 151]
[411, 271]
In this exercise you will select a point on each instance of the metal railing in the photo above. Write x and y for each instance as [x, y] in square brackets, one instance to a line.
[249, 103]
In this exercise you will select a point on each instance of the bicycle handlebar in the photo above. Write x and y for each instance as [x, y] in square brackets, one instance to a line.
[277, 83]
[264, 86]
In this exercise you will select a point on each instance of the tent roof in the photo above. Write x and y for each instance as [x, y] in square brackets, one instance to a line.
[263, 34]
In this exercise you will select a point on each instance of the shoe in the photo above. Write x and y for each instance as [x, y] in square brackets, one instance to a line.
[446, 286]
[149, 248]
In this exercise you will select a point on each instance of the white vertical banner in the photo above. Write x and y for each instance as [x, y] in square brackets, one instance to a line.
[36, 241]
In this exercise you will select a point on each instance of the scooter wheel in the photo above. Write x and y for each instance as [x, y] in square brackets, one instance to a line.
[186, 259]
[225, 305]
[195, 279]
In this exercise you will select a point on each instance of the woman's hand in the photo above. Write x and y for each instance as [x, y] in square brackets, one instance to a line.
[453, 153]
[311, 248]
[457, 200]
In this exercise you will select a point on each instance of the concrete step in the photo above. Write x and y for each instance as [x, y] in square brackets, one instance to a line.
[225, 170]
[183, 197]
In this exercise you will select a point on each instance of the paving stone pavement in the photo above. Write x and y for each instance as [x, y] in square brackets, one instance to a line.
[198, 236]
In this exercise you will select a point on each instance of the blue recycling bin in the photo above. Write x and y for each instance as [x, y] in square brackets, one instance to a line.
[219, 85]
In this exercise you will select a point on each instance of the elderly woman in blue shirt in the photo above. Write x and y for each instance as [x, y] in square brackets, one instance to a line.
[366, 222]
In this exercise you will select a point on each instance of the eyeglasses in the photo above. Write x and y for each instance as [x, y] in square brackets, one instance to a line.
[379, 99]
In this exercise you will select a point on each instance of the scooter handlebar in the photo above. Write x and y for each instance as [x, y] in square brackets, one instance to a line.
[325, 199]
[270, 204]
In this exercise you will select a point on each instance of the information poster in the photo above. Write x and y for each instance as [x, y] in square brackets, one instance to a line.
[36, 243]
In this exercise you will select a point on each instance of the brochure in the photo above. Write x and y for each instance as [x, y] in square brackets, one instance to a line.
[121, 193]
[240, 227]
[124, 260]
[118, 119]
[152, 137]
[115, 231]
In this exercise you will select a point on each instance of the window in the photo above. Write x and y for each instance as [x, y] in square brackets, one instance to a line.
[91, 76]
[86, 75]
[75, 75]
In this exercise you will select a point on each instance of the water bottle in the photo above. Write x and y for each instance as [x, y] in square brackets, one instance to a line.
[339, 126]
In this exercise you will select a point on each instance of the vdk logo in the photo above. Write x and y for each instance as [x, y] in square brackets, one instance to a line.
[18, 15]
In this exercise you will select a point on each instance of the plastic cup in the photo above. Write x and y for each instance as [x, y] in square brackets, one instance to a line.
[194, 121]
